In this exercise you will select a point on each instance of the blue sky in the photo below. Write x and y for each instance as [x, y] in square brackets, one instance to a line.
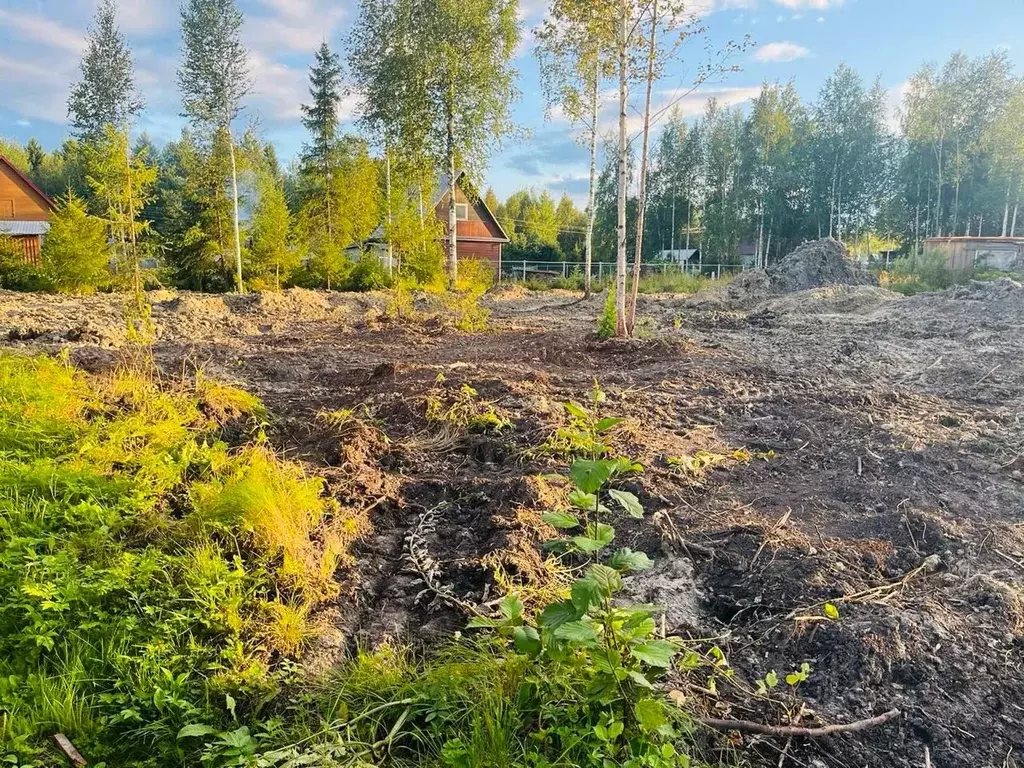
[803, 40]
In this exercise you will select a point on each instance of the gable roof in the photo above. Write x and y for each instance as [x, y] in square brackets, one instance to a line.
[28, 183]
[23, 228]
[443, 183]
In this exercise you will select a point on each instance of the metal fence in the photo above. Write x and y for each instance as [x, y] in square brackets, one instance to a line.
[514, 270]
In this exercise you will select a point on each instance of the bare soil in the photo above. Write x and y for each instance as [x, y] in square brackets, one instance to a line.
[885, 478]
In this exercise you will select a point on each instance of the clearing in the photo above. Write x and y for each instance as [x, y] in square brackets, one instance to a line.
[839, 450]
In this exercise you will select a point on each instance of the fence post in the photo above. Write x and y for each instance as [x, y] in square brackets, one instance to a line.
[600, 270]
[565, 268]
[524, 271]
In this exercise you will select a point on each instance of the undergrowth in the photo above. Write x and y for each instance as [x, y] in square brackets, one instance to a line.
[150, 573]
[159, 584]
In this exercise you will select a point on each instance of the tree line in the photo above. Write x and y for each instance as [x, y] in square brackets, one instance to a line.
[435, 81]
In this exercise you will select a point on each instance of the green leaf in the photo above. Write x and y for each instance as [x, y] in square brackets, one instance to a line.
[605, 424]
[590, 476]
[640, 679]
[557, 614]
[585, 593]
[511, 608]
[581, 500]
[577, 411]
[771, 679]
[481, 622]
[608, 579]
[587, 545]
[650, 714]
[562, 520]
[657, 653]
[196, 729]
[229, 702]
[831, 611]
[526, 640]
[628, 560]
[624, 466]
[601, 532]
[576, 632]
[629, 502]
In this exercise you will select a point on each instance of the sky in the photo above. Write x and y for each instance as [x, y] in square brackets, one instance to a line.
[41, 42]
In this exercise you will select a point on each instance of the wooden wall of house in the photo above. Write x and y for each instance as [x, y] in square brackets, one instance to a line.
[477, 225]
[18, 201]
[486, 252]
[32, 247]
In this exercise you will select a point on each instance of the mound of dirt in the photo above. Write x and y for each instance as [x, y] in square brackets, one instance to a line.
[815, 264]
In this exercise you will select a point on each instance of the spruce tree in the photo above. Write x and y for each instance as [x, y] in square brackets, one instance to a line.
[106, 93]
[321, 117]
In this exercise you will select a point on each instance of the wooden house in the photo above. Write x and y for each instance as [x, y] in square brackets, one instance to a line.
[25, 210]
[478, 235]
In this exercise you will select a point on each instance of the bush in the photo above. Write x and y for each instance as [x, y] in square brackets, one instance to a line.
[16, 274]
[368, 274]
[75, 255]
[607, 323]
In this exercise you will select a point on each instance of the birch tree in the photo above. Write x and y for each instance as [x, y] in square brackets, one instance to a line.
[213, 79]
[106, 93]
[454, 61]
[572, 50]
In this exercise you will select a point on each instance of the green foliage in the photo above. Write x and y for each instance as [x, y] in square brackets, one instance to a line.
[271, 255]
[922, 273]
[16, 273]
[106, 94]
[463, 409]
[148, 571]
[608, 321]
[75, 257]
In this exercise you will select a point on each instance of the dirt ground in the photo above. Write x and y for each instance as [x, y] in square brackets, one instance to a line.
[882, 473]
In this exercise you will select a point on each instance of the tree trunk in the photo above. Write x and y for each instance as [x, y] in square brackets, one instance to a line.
[620, 260]
[387, 191]
[642, 197]
[1006, 207]
[592, 192]
[453, 222]
[234, 200]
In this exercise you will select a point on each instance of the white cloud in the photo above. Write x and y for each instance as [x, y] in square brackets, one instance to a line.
[293, 25]
[145, 17]
[817, 5]
[40, 29]
[780, 52]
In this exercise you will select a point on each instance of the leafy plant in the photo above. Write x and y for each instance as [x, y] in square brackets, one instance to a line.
[463, 409]
[606, 322]
[587, 432]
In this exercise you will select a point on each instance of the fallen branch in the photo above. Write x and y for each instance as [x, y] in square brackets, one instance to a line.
[748, 726]
[72, 754]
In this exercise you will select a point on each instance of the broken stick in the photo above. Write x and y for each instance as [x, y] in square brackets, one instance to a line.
[747, 726]
[72, 754]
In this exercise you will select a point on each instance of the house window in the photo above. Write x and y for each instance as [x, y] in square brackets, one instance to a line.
[462, 212]
[6, 209]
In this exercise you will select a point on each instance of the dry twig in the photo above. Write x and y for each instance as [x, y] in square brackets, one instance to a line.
[748, 726]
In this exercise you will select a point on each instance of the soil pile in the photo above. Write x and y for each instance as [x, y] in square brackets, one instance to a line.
[813, 265]
[816, 264]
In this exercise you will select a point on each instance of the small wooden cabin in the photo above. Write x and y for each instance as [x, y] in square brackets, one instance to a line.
[25, 210]
[479, 236]
[1004, 254]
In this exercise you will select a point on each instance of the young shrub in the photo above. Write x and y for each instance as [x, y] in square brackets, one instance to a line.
[75, 257]
[463, 303]
[606, 323]
[368, 274]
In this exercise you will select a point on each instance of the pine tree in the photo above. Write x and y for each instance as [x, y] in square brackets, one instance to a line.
[213, 79]
[106, 93]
